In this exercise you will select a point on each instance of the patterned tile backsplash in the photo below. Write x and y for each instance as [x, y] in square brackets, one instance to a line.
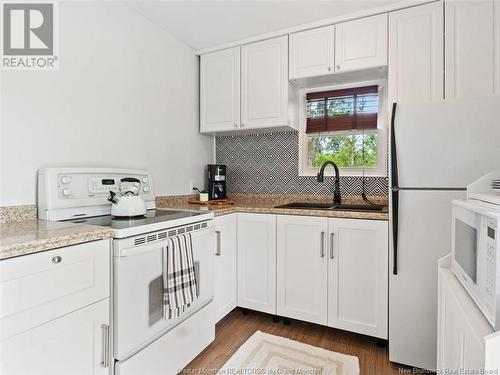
[268, 163]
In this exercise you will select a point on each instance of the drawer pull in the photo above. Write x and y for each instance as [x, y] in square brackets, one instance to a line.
[105, 345]
[322, 247]
[218, 248]
[57, 259]
[332, 239]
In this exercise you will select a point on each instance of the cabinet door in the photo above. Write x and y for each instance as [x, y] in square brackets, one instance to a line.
[416, 54]
[220, 91]
[462, 327]
[361, 43]
[311, 52]
[472, 48]
[264, 84]
[257, 262]
[302, 259]
[225, 265]
[73, 344]
[358, 276]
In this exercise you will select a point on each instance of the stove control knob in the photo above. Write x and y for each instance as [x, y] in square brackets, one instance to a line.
[65, 179]
[145, 180]
[145, 189]
[66, 192]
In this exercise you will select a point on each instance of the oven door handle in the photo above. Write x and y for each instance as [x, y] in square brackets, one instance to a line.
[137, 250]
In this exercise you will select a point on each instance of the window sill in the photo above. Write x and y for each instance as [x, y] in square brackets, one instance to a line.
[345, 173]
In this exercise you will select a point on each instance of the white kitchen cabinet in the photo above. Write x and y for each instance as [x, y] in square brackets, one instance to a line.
[472, 48]
[358, 276]
[73, 344]
[41, 287]
[257, 262]
[463, 332]
[361, 43]
[54, 315]
[225, 265]
[220, 91]
[416, 54]
[267, 101]
[312, 52]
[302, 263]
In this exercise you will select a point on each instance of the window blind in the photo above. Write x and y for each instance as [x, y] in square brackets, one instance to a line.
[345, 109]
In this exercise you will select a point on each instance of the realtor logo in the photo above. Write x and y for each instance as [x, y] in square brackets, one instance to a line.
[28, 36]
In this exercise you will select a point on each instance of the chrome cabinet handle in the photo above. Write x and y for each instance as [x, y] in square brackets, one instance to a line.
[217, 249]
[105, 345]
[242, 125]
[329, 68]
[57, 259]
[235, 125]
[322, 251]
[332, 238]
[338, 67]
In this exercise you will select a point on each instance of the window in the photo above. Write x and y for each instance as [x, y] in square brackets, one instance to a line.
[344, 126]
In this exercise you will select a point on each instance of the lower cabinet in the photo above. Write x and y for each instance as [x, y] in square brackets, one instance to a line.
[54, 311]
[73, 344]
[257, 262]
[302, 263]
[463, 333]
[321, 270]
[358, 276]
[225, 265]
[334, 272]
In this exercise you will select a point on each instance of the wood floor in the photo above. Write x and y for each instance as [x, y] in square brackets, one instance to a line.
[236, 328]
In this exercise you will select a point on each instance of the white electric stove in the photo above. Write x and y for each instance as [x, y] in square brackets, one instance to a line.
[144, 341]
[80, 195]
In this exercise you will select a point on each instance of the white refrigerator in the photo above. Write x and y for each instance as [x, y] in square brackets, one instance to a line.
[437, 149]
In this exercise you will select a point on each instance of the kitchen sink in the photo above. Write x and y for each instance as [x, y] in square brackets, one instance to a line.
[335, 207]
[305, 206]
[360, 207]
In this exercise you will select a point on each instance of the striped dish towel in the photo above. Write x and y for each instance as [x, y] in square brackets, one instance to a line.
[179, 277]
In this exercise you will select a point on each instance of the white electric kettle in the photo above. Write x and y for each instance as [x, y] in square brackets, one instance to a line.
[127, 202]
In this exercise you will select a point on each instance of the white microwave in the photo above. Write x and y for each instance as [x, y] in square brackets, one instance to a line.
[476, 254]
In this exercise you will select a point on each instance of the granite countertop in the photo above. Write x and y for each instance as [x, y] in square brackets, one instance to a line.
[265, 203]
[22, 234]
[32, 236]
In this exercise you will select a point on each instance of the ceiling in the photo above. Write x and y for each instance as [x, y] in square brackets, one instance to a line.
[204, 24]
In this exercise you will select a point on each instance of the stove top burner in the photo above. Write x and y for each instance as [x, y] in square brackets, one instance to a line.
[151, 217]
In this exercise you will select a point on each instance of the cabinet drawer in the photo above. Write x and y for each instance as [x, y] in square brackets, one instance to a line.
[40, 287]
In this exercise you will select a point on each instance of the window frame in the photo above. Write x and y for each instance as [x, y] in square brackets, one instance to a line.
[382, 150]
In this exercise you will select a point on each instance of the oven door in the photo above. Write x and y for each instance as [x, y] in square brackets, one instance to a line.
[138, 290]
[466, 241]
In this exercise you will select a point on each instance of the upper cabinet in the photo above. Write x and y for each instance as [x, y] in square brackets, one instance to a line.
[264, 84]
[353, 45]
[416, 54]
[251, 93]
[220, 91]
[312, 52]
[472, 55]
[361, 43]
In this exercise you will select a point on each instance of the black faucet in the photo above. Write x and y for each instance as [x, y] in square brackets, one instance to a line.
[337, 199]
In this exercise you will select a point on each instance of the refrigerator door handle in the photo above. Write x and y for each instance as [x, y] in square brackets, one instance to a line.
[395, 191]
[394, 156]
[395, 220]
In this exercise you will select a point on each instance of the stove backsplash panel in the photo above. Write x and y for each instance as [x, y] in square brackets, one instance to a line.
[268, 164]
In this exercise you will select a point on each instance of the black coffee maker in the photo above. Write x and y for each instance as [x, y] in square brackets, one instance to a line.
[216, 181]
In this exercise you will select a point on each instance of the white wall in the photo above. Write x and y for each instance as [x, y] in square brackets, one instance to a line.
[125, 95]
